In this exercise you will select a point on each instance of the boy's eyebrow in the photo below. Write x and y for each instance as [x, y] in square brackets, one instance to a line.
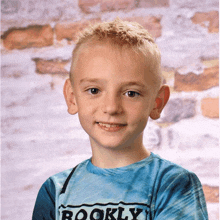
[90, 80]
[132, 83]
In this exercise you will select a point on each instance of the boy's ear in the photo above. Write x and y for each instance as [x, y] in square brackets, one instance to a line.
[70, 97]
[160, 102]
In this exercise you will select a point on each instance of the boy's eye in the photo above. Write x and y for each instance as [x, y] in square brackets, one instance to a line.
[132, 94]
[93, 91]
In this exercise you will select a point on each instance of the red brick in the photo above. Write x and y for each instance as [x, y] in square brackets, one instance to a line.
[105, 5]
[70, 31]
[85, 5]
[210, 63]
[211, 17]
[210, 107]
[110, 5]
[51, 66]
[192, 82]
[211, 193]
[151, 23]
[31, 36]
[153, 3]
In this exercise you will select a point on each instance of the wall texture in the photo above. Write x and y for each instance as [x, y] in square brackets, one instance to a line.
[40, 139]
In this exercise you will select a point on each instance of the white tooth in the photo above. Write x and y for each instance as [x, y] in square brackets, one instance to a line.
[108, 125]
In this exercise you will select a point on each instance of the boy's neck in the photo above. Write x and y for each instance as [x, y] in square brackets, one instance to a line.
[114, 158]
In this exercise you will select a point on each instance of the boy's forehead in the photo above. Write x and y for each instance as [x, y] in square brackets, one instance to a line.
[105, 54]
[107, 51]
[99, 48]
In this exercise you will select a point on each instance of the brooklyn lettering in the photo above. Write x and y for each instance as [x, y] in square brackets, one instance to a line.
[104, 214]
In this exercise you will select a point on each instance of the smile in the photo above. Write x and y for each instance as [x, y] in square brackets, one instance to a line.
[110, 126]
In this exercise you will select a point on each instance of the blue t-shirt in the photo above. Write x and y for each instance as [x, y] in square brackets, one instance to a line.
[152, 188]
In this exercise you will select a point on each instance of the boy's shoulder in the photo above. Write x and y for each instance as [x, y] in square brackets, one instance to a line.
[167, 166]
[164, 164]
[64, 174]
[169, 173]
[60, 178]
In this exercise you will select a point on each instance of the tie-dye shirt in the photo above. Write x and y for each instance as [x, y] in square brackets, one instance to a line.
[152, 188]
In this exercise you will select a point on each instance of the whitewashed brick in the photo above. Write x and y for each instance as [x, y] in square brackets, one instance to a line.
[195, 133]
[178, 109]
[152, 137]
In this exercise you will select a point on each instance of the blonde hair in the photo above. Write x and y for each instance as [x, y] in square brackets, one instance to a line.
[123, 34]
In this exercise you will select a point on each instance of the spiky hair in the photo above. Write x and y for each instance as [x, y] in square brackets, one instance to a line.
[121, 32]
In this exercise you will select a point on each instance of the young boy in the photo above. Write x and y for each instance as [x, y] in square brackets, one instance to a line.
[115, 85]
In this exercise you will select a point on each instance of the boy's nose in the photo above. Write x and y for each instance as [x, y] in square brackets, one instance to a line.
[112, 104]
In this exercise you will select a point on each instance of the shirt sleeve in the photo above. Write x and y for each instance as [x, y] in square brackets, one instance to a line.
[44, 208]
[181, 197]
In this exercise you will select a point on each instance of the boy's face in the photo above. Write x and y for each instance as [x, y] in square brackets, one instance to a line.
[113, 95]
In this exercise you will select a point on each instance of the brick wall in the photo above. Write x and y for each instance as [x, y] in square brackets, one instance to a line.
[37, 38]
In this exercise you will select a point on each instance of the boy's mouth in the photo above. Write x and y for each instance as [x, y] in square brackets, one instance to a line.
[110, 126]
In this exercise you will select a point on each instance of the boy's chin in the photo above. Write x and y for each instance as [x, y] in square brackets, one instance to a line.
[109, 145]
[117, 142]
